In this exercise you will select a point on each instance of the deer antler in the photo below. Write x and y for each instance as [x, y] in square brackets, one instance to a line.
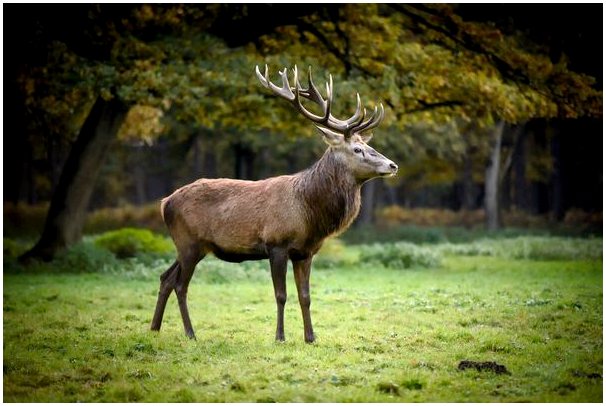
[354, 124]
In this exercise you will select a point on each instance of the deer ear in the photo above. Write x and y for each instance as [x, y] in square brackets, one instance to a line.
[330, 137]
[366, 137]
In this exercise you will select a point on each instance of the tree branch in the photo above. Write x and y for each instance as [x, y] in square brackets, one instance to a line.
[517, 138]
[425, 106]
[343, 57]
[334, 16]
[464, 40]
[447, 27]
[312, 29]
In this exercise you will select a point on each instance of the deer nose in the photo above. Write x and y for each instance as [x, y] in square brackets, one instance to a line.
[393, 167]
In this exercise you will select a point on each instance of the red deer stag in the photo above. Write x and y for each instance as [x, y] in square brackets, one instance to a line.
[280, 218]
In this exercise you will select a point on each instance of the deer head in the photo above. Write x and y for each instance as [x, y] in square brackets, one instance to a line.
[347, 139]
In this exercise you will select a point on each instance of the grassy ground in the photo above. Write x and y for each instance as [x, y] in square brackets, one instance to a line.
[383, 335]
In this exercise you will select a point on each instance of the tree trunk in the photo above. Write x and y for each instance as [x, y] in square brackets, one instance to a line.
[468, 189]
[238, 162]
[210, 161]
[390, 194]
[265, 158]
[31, 181]
[505, 183]
[491, 181]
[505, 191]
[244, 161]
[197, 171]
[521, 184]
[556, 177]
[67, 212]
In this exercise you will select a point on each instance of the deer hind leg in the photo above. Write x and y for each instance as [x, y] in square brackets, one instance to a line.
[278, 261]
[187, 263]
[167, 284]
[302, 271]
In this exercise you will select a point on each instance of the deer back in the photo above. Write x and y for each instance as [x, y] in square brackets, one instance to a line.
[235, 215]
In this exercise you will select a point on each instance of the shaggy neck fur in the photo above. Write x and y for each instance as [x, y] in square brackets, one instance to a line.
[331, 195]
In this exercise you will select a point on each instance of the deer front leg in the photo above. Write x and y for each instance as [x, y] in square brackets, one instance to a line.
[278, 261]
[302, 270]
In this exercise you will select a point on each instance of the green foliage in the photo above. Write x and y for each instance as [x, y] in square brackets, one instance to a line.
[367, 47]
[85, 257]
[129, 242]
[334, 254]
[400, 255]
[14, 248]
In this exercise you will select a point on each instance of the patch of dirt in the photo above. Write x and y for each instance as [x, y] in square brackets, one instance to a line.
[389, 387]
[484, 366]
[592, 375]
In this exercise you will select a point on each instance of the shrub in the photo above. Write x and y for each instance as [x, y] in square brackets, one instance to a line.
[128, 216]
[530, 247]
[370, 234]
[129, 242]
[14, 248]
[476, 248]
[398, 215]
[333, 254]
[552, 248]
[576, 217]
[216, 272]
[400, 255]
[84, 257]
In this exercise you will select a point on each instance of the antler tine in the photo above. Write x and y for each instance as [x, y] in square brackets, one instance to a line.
[297, 82]
[312, 92]
[380, 118]
[363, 126]
[314, 96]
[357, 118]
[372, 122]
[329, 94]
[284, 91]
[262, 78]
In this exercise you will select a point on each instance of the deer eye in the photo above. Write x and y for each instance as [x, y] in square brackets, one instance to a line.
[357, 150]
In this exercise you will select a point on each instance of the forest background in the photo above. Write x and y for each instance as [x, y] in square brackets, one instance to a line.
[493, 114]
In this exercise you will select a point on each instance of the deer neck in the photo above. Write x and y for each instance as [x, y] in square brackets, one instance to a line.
[331, 195]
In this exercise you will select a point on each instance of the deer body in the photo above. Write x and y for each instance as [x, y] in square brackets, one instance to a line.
[296, 212]
[281, 218]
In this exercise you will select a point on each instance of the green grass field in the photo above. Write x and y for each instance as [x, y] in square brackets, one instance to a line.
[384, 334]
